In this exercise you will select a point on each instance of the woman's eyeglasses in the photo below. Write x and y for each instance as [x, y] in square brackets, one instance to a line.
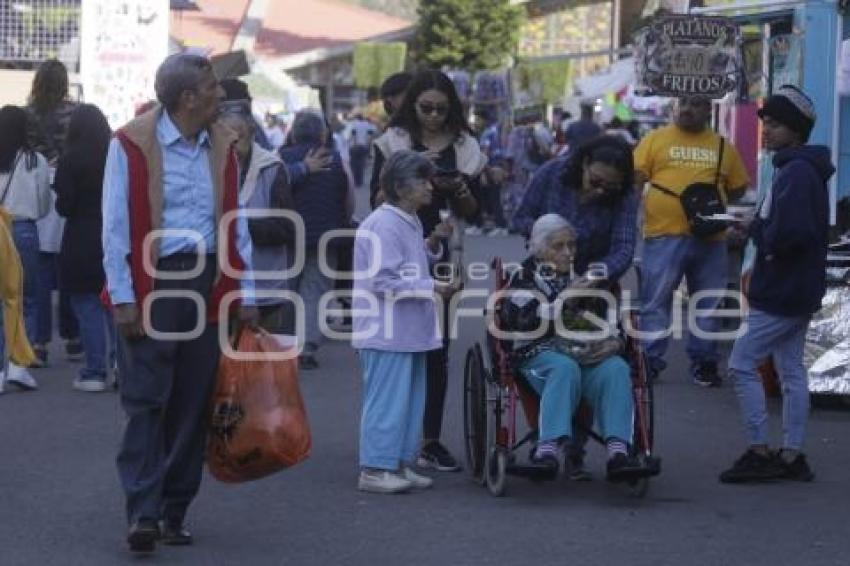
[428, 108]
[604, 186]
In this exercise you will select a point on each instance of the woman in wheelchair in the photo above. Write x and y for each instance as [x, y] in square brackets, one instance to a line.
[565, 372]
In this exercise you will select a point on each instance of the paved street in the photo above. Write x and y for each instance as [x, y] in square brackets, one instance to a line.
[60, 502]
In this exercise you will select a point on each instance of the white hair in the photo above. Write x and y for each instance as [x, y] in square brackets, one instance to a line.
[400, 171]
[544, 228]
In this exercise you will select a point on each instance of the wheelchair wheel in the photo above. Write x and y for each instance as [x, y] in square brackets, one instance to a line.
[475, 414]
[497, 471]
[497, 456]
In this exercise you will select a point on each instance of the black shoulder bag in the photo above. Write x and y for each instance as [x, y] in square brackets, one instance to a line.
[701, 200]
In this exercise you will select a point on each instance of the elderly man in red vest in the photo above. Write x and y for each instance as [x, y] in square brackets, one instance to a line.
[171, 176]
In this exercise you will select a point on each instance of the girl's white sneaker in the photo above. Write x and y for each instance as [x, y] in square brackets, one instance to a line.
[418, 480]
[20, 377]
[382, 481]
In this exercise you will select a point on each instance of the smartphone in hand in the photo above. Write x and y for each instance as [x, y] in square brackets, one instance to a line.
[447, 180]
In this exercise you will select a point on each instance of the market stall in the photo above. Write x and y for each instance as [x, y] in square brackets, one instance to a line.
[614, 89]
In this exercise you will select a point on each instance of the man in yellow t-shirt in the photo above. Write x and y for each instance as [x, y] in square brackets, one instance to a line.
[674, 157]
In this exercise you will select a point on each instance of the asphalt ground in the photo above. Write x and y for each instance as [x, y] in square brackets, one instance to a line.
[60, 501]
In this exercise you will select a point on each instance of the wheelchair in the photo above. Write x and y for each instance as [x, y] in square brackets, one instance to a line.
[493, 394]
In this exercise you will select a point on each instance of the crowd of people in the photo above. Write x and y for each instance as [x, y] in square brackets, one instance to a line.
[110, 218]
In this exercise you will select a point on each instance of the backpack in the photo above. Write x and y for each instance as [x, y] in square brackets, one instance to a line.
[701, 200]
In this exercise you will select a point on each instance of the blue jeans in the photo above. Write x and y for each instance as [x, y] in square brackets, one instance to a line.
[25, 235]
[358, 155]
[783, 338]
[665, 261]
[311, 284]
[48, 281]
[562, 384]
[394, 385]
[97, 333]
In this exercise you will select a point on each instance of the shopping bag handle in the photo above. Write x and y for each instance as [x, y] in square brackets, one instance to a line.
[236, 335]
[239, 329]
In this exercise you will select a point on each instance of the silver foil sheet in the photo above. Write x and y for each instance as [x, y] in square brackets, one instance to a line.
[827, 351]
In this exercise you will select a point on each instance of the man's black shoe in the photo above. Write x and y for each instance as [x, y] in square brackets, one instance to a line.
[754, 467]
[143, 535]
[705, 374]
[175, 534]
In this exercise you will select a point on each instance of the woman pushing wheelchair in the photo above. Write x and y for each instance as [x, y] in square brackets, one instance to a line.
[564, 357]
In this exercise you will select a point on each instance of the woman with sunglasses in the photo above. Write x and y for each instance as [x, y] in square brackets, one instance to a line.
[431, 121]
[593, 189]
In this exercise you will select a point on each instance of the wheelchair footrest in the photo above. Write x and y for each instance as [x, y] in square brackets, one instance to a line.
[534, 471]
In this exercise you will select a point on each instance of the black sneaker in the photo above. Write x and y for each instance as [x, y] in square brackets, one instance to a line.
[437, 457]
[797, 470]
[623, 468]
[74, 350]
[705, 374]
[653, 375]
[307, 362]
[754, 467]
[40, 351]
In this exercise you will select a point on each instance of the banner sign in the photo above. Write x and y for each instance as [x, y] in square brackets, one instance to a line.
[683, 55]
[123, 43]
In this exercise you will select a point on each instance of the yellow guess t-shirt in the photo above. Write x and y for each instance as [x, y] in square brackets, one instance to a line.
[674, 159]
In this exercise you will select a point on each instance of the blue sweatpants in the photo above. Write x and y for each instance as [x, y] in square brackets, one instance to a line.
[394, 385]
[562, 384]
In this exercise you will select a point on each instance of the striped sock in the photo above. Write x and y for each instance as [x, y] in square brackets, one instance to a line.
[616, 446]
[546, 448]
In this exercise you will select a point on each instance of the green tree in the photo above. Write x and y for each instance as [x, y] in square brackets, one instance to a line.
[467, 34]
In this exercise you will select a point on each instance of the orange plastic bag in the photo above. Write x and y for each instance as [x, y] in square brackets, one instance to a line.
[258, 424]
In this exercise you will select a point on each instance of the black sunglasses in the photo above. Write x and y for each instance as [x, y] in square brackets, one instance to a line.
[428, 108]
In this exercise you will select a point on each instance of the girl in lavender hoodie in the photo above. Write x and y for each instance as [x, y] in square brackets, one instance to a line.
[395, 323]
